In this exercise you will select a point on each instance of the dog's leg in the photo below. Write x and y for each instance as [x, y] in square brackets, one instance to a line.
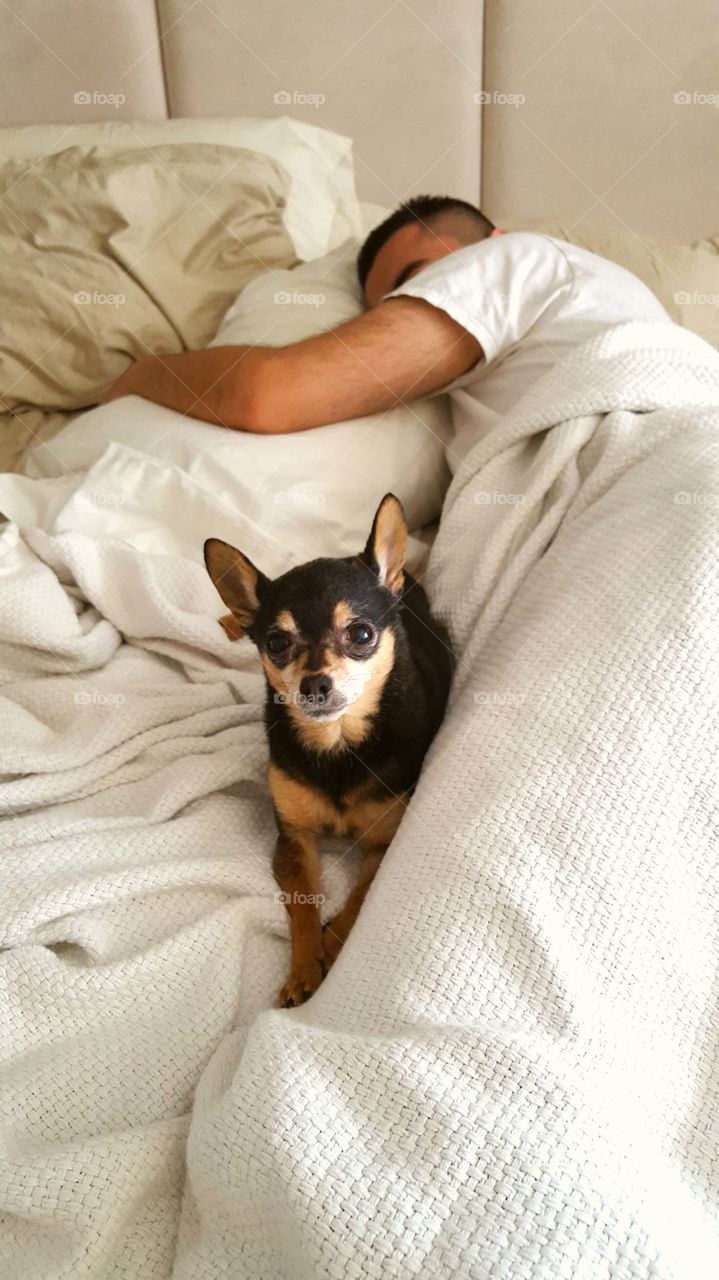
[336, 930]
[297, 871]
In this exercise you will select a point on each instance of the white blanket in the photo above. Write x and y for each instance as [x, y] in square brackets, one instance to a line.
[512, 1069]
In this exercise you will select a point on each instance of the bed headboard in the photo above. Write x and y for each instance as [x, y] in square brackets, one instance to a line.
[592, 109]
[619, 123]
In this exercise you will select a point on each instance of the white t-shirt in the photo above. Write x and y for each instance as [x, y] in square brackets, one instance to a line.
[528, 299]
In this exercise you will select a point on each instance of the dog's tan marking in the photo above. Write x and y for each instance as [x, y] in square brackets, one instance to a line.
[377, 820]
[331, 663]
[275, 677]
[351, 728]
[303, 814]
[232, 627]
[296, 868]
[335, 664]
[286, 680]
[304, 809]
[320, 737]
[285, 622]
[342, 615]
[299, 806]
[301, 666]
[281, 679]
[379, 667]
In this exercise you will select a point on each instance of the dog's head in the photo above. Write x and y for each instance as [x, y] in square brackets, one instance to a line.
[326, 631]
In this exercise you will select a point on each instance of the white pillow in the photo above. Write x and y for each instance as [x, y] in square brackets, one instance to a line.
[306, 494]
[371, 215]
[283, 306]
[322, 208]
[407, 444]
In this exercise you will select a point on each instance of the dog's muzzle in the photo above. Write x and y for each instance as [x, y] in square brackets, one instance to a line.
[319, 699]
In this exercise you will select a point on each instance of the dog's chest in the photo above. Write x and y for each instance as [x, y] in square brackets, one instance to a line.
[361, 815]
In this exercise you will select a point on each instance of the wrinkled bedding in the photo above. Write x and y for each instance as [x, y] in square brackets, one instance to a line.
[512, 1068]
[22, 430]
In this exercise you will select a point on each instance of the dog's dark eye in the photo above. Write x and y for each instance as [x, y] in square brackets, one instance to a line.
[278, 642]
[359, 635]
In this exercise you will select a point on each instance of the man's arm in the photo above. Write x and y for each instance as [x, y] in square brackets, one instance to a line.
[402, 349]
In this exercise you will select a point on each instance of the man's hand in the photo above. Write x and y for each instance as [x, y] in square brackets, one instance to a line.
[201, 384]
[398, 351]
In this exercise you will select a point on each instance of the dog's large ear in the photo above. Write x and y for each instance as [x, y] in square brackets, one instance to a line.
[238, 582]
[387, 544]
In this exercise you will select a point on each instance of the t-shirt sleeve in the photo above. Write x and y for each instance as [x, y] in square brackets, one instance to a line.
[497, 289]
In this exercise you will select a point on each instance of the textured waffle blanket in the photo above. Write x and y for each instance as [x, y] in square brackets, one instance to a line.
[511, 1072]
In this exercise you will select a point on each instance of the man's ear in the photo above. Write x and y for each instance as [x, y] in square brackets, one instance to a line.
[239, 583]
[387, 544]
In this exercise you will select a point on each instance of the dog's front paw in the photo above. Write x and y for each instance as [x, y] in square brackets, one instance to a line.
[302, 981]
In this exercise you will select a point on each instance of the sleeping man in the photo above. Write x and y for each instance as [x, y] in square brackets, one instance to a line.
[452, 304]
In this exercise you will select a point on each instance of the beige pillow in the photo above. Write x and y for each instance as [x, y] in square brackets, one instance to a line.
[685, 278]
[321, 211]
[109, 254]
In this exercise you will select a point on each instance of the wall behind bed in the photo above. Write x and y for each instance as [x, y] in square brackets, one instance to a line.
[619, 119]
[596, 110]
[400, 78]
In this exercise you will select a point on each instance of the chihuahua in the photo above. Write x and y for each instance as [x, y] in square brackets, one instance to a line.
[358, 674]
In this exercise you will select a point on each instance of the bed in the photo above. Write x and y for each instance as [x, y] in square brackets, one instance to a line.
[511, 1070]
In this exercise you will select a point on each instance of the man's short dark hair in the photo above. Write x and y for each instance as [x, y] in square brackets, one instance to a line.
[425, 210]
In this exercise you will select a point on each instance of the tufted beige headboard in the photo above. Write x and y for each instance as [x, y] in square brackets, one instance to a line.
[597, 110]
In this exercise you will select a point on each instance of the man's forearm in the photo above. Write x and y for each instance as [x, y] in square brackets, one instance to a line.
[202, 384]
[402, 349]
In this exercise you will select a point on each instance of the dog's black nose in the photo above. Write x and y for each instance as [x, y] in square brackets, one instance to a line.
[317, 687]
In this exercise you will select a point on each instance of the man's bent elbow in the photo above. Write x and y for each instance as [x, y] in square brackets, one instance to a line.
[247, 403]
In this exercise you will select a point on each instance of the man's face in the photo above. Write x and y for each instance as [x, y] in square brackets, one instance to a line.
[403, 255]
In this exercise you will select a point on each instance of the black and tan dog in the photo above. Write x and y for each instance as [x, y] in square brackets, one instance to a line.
[358, 673]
